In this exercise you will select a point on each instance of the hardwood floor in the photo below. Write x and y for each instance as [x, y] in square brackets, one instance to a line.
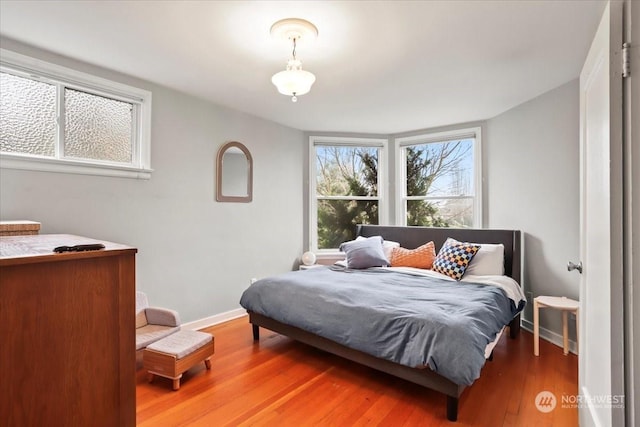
[280, 382]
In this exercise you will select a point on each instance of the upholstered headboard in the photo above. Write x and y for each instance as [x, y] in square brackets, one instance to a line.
[412, 237]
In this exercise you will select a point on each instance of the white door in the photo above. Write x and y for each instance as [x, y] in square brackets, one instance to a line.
[601, 380]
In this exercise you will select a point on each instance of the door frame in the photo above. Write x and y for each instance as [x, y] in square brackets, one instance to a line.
[614, 13]
[631, 93]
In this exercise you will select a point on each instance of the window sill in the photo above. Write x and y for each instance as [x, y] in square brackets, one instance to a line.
[8, 161]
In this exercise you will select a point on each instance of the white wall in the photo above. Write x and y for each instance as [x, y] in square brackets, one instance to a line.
[195, 255]
[532, 172]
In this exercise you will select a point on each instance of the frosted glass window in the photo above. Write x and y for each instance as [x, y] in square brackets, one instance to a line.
[58, 119]
[97, 128]
[27, 116]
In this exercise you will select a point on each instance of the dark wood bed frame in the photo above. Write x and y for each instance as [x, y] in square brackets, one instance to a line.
[410, 238]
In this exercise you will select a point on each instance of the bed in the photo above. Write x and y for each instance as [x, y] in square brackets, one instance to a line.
[385, 332]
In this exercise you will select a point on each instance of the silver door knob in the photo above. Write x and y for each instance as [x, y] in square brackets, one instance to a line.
[571, 266]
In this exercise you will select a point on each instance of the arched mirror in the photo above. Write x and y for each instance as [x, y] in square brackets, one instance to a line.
[234, 173]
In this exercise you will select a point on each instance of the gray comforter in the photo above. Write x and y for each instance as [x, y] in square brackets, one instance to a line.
[411, 320]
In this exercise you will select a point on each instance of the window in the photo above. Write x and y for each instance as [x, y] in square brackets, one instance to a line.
[440, 179]
[57, 119]
[347, 187]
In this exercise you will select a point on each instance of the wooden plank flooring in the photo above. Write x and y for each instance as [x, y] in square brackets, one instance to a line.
[280, 382]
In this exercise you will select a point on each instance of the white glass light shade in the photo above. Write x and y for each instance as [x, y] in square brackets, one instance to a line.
[294, 80]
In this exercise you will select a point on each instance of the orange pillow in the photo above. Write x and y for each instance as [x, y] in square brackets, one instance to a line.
[420, 257]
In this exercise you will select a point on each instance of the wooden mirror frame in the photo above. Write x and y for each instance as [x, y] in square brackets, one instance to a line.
[220, 197]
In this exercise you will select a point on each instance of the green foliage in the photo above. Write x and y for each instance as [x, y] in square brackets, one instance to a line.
[337, 220]
[346, 171]
[418, 178]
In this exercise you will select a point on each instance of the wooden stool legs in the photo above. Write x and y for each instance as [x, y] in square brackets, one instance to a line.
[563, 304]
[176, 380]
[565, 332]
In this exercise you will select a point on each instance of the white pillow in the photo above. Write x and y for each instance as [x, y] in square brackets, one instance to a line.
[387, 247]
[488, 261]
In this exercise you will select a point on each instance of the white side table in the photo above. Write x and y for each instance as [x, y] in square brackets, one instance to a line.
[309, 267]
[560, 303]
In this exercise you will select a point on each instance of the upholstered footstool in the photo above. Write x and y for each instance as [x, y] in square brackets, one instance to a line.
[175, 354]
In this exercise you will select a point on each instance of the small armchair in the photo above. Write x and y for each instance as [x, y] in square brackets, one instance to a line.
[153, 323]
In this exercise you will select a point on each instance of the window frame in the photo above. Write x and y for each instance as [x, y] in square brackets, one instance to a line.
[438, 137]
[63, 77]
[382, 144]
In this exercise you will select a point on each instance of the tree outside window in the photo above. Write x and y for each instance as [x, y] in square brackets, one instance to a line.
[436, 185]
[346, 192]
[439, 183]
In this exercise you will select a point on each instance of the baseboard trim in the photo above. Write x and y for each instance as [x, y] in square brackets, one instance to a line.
[215, 319]
[552, 337]
[545, 334]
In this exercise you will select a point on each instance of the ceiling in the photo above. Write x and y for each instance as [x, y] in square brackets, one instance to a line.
[381, 66]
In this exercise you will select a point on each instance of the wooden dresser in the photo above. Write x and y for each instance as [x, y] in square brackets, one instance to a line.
[67, 333]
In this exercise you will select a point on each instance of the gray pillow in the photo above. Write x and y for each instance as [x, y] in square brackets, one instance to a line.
[365, 253]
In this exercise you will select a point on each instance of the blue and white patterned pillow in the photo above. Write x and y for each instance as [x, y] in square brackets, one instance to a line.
[454, 258]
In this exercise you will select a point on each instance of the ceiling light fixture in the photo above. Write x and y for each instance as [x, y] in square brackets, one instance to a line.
[294, 81]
